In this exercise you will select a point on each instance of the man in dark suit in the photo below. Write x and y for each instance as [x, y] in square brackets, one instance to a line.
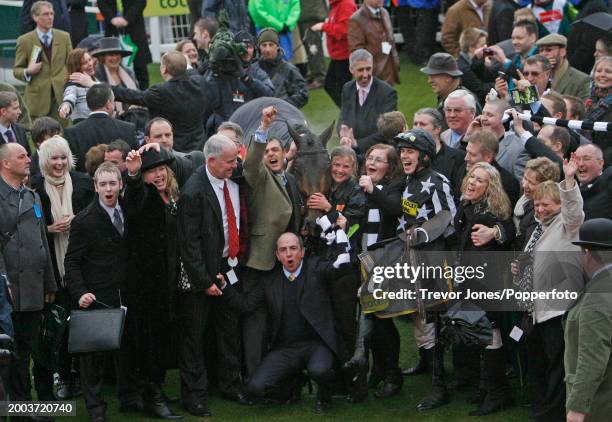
[96, 269]
[9, 115]
[100, 127]
[302, 332]
[178, 99]
[208, 215]
[363, 100]
[127, 18]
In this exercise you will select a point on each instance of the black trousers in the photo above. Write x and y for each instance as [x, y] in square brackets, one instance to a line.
[253, 326]
[545, 347]
[418, 28]
[343, 295]
[92, 381]
[286, 361]
[192, 313]
[337, 75]
[385, 346]
[316, 62]
[27, 326]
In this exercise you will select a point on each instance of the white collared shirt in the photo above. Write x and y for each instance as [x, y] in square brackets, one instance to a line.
[366, 89]
[296, 273]
[40, 34]
[217, 185]
[111, 211]
[479, 9]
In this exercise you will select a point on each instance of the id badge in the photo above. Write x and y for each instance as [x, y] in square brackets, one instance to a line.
[238, 97]
[386, 47]
[231, 276]
[37, 211]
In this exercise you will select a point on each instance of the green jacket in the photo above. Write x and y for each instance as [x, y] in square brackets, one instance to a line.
[571, 81]
[275, 13]
[588, 347]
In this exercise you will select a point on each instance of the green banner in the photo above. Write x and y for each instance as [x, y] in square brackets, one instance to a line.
[166, 8]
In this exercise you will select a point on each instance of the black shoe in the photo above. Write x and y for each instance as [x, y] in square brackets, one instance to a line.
[160, 410]
[198, 409]
[321, 406]
[388, 389]
[133, 407]
[438, 396]
[240, 398]
[499, 393]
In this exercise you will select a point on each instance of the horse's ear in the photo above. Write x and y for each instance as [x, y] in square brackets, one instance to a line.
[326, 134]
[294, 135]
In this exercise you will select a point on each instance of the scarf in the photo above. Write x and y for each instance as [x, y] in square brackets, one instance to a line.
[126, 80]
[61, 205]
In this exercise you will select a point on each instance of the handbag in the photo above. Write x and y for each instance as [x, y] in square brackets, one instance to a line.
[97, 330]
[466, 323]
[47, 350]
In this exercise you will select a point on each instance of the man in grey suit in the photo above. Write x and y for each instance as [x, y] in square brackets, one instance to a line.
[29, 276]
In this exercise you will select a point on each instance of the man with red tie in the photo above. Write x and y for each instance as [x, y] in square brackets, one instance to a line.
[209, 223]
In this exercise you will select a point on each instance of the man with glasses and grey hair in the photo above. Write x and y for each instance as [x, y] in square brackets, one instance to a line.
[459, 111]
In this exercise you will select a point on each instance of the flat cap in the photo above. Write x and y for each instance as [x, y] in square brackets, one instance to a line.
[553, 39]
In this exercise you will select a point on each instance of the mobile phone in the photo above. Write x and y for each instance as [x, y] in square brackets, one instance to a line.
[503, 75]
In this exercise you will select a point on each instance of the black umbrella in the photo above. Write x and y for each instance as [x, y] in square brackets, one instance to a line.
[600, 23]
[248, 117]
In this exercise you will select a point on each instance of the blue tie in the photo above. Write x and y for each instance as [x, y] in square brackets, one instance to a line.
[46, 40]
[9, 135]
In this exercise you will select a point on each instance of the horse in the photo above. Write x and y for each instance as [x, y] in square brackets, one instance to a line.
[311, 168]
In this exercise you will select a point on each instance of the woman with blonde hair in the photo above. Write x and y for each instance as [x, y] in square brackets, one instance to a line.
[483, 226]
[63, 193]
[155, 275]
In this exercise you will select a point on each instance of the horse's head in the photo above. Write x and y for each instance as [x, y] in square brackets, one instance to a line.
[311, 167]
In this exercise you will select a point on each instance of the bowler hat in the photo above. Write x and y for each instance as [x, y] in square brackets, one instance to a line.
[441, 63]
[152, 159]
[595, 233]
[553, 39]
[109, 45]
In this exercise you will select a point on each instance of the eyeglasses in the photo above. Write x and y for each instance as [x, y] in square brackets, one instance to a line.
[375, 160]
[455, 110]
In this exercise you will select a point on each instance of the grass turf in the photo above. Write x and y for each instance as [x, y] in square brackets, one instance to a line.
[413, 93]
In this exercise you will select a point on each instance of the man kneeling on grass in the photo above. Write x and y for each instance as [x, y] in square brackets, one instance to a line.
[302, 333]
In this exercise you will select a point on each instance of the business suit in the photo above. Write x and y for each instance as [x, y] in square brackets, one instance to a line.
[45, 90]
[588, 373]
[382, 98]
[313, 303]
[201, 239]
[98, 128]
[20, 136]
[96, 262]
[178, 100]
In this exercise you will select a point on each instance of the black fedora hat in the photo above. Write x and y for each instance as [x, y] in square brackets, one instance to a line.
[596, 233]
[442, 63]
[152, 159]
[110, 45]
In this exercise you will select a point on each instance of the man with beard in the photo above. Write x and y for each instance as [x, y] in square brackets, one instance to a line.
[289, 85]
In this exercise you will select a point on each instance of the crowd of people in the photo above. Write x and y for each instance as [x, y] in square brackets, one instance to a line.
[242, 258]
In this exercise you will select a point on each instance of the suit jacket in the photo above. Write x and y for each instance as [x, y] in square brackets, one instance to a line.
[271, 209]
[178, 100]
[97, 255]
[368, 32]
[98, 128]
[313, 298]
[597, 196]
[48, 84]
[571, 81]
[459, 17]
[588, 372]
[200, 228]
[20, 137]
[382, 98]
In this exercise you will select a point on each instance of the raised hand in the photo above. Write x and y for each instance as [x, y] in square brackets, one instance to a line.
[133, 162]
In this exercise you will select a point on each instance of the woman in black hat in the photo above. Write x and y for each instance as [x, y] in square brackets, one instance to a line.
[110, 69]
[150, 203]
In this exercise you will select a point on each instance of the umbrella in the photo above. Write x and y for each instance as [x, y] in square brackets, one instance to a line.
[248, 117]
[600, 23]
[467, 324]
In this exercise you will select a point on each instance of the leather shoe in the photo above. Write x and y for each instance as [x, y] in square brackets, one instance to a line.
[198, 409]
[161, 410]
[136, 406]
[240, 398]
[321, 406]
